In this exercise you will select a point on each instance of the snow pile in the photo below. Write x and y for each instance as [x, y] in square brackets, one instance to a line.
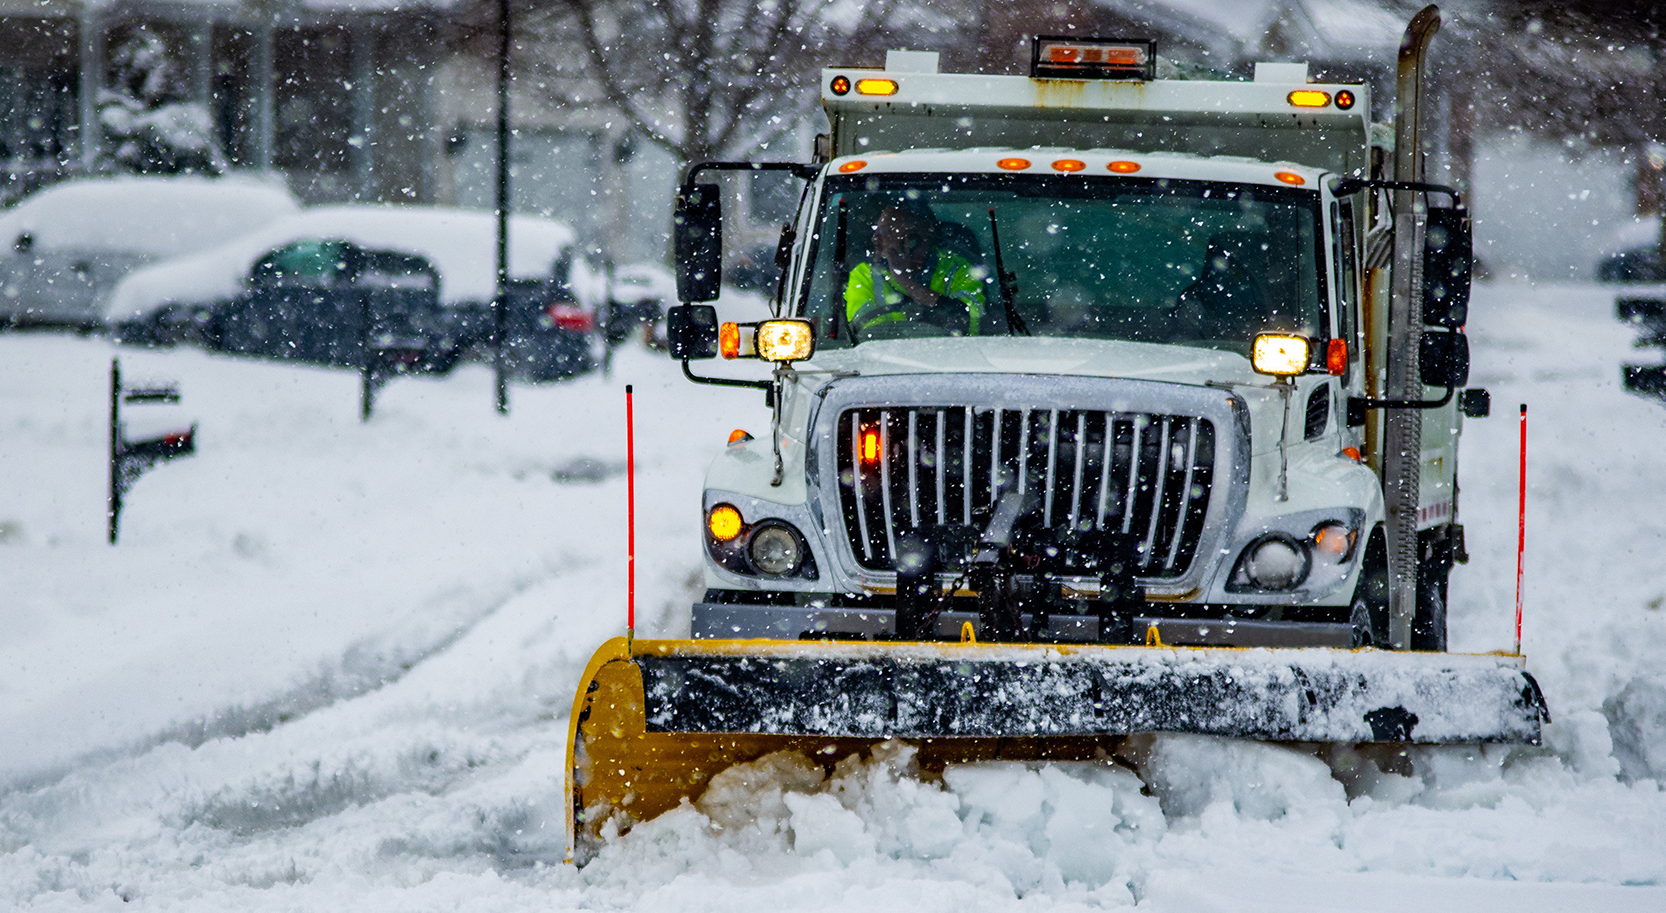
[157, 216]
[460, 243]
[1015, 828]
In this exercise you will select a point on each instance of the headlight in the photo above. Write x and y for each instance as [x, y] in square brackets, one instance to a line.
[1280, 354]
[785, 340]
[775, 551]
[1276, 563]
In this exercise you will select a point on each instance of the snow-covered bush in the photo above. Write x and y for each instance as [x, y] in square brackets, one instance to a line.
[148, 126]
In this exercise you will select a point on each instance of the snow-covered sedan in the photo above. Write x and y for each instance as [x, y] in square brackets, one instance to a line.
[63, 249]
[554, 291]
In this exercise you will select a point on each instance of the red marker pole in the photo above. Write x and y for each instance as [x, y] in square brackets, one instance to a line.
[630, 517]
[1521, 519]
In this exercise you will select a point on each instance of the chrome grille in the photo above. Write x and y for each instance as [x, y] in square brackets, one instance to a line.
[1147, 474]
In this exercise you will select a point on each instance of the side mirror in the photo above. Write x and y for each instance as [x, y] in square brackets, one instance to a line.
[1447, 256]
[1443, 359]
[1475, 402]
[691, 331]
[698, 230]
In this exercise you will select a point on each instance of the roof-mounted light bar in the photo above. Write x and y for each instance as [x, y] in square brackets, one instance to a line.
[1061, 57]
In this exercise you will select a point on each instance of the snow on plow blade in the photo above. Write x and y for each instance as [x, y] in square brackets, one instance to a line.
[653, 722]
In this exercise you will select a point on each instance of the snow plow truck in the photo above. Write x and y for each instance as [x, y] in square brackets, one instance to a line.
[1103, 404]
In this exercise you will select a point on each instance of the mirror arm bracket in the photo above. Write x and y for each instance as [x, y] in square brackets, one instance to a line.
[727, 381]
[1359, 405]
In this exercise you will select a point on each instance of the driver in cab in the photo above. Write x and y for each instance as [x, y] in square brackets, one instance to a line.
[913, 279]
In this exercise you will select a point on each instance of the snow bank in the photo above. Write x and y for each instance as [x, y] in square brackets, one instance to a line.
[158, 216]
[461, 244]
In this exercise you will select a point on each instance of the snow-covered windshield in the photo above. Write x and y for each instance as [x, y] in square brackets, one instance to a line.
[1149, 260]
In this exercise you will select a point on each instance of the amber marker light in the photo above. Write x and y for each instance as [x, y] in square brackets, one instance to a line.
[1308, 98]
[1123, 167]
[868, 445]
[1280, 354]
[852, 165]
[1069, 165]
[786, 340]
[724, 522]
[1013, 164]
[1336, 357]
[840, 85]
[876, 87]
[1344, 100]
[739, 437]
[728, 340]
[1352, 453]
[1291, 178]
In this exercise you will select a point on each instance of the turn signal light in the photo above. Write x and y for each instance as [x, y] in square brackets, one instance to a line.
[1309, 98]
[876, 87]
[1280, 355]
[728, 340]
[785, 340]
[724, 523]
[1336, 357]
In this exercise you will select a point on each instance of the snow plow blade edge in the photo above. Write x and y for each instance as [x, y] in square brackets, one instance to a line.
[652, 723]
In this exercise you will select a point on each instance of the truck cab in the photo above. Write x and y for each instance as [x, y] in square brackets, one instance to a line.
[1080, 356]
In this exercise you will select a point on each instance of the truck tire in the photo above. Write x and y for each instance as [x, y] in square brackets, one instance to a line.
[1434, 567]
[1368, 610]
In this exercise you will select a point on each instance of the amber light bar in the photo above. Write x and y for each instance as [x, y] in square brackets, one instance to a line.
[1060, 57]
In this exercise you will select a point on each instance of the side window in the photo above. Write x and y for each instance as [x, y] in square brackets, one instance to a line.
[1347, 269]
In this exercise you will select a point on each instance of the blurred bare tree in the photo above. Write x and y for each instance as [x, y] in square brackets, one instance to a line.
[1586, 73]
[708, 79]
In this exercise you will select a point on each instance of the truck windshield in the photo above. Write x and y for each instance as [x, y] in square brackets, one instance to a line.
[1148, 260]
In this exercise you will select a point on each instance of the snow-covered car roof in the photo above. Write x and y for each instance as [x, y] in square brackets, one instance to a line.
[1177, 166]
[461, 243]
[158, 216]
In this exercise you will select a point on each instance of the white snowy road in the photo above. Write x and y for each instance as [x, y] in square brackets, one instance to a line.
[330, 665]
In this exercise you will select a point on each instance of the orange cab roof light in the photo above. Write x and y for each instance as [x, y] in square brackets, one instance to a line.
[1123, 167]
[1013, 164]
[1069, 165]
[1069, 57]
[1291, 178]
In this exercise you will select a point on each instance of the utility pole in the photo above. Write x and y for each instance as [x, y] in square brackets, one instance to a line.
[500, 303]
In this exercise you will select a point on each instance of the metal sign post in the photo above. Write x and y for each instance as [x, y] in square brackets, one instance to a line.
[500, 302]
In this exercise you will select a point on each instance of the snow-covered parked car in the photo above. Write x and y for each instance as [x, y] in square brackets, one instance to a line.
[554, 292]
[65, 248]
[1632, 253]
[638, 297]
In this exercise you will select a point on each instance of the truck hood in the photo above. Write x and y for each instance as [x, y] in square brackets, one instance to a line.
[1046, 355]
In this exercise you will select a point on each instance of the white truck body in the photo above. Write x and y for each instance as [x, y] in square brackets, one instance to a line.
[1286, 460]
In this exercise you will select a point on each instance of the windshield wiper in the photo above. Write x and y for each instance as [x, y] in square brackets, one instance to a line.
[1008, 282]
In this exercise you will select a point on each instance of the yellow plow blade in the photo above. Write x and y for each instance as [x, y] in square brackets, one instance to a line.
[655, 720]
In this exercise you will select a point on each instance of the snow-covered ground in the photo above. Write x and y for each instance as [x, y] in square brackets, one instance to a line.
[329, 667]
